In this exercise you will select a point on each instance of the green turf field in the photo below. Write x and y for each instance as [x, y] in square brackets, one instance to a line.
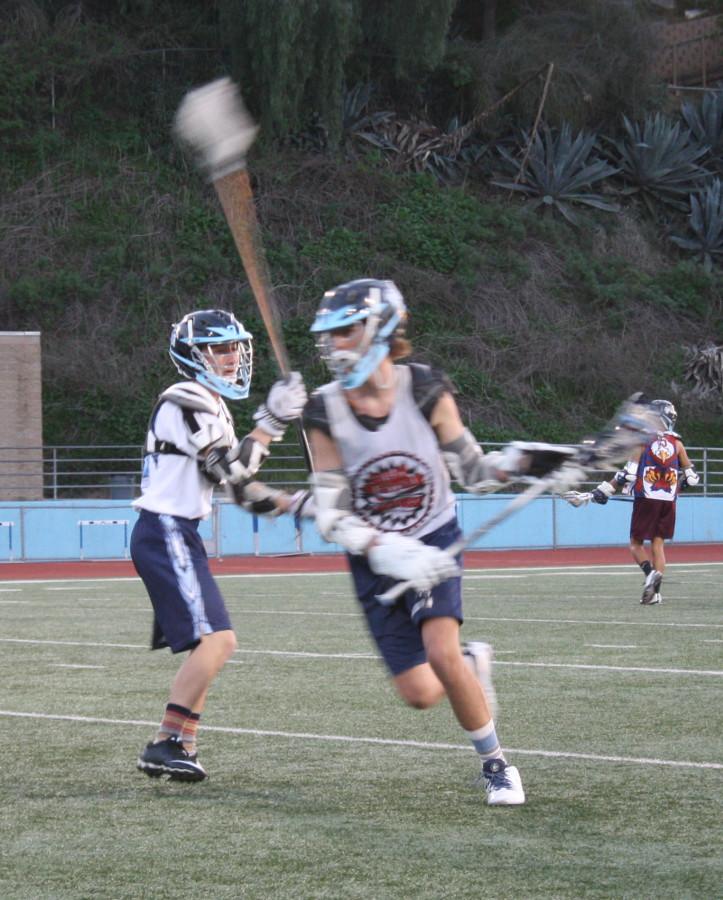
[323, 785]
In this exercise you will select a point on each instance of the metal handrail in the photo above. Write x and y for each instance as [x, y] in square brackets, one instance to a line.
[75, 470]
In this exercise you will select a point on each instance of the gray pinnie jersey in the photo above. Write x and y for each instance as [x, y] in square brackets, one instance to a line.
[398, 478]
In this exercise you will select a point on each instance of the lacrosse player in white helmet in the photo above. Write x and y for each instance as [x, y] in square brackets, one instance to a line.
[654, 477]
[191, 446]
[384, 439]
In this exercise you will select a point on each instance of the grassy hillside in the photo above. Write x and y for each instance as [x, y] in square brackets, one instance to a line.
[109, 236]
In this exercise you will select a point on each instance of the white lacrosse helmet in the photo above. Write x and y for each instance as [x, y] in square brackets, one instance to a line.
[667, 413]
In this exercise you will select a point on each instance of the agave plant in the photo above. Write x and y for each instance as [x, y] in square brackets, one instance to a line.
[704, 371]
[416, 146]
[706, 223]
[659, 161]
[706, 124]
[559, 171]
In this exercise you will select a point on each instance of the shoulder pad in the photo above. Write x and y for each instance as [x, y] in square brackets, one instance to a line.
[315, 415]
[428, 385]
[190, 395]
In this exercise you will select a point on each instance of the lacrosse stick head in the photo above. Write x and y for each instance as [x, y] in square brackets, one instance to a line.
[635, 423]
[214, 122]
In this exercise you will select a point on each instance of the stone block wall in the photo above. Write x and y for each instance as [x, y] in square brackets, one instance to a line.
[21, 416]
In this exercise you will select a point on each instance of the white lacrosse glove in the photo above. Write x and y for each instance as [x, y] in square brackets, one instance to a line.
[602, 493]
[692, 478]
[577, 499]
[214, 122]
[285, 402]
[407, 559]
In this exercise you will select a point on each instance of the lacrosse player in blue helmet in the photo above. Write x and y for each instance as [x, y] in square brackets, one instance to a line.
[385, 438]
[190, 448]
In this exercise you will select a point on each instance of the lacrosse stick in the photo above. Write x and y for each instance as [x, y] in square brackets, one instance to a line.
[634, 423]
[214, 122]
[582, 498]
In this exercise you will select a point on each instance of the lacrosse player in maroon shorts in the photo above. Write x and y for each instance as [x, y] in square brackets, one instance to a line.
[654, 479]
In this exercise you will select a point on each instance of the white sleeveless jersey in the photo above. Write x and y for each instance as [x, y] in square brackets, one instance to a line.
[173, 484]
[398, 478]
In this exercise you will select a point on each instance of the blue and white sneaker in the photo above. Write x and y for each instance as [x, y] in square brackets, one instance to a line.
[652, 587]
[502, 783]
[478, 657]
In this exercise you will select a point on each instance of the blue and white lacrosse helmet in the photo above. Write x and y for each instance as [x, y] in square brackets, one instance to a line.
[380, 306]
[193, 340]
[667, 413]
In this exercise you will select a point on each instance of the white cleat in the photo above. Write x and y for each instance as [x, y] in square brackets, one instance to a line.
[652, 587]
[478, 657]
[502, 783]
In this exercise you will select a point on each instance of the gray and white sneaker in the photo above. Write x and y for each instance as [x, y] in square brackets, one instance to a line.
[653, 581]
[502, 783]
[478, 655]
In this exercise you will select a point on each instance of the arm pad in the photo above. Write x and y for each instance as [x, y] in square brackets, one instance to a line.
[255, 497]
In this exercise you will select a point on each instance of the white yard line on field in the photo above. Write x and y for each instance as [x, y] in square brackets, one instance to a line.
[551, 570]
[423, 745]
[305, 654]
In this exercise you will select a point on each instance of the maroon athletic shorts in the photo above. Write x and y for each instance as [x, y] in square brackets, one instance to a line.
[651, 519]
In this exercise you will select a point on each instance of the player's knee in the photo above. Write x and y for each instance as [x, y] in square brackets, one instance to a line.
[421, 698]
[226, 643]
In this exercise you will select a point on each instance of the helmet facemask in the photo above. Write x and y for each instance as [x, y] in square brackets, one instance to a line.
[200, 339]
[379, 307]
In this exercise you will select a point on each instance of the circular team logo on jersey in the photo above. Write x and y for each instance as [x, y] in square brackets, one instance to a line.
[393, 492]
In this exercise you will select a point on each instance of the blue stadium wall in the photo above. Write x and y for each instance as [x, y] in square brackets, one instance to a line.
[61, 530]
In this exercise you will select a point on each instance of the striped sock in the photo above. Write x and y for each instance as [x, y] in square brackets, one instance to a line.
[173, 721]
[190, 729]
[485, 742]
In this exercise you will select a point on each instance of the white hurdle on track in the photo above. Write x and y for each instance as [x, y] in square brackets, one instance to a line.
[9, 526]
[88, 522]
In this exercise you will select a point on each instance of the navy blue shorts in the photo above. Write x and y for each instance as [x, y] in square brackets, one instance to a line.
[396, 629]
[169, 555]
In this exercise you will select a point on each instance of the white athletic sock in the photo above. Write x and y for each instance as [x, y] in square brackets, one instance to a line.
[485, 742]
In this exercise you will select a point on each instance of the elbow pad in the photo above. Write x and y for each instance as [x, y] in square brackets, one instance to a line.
[334, 516]
[468, 465]
[628, 474]
[222, 465]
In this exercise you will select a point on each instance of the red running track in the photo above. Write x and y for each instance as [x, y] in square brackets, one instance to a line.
[336, 562]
